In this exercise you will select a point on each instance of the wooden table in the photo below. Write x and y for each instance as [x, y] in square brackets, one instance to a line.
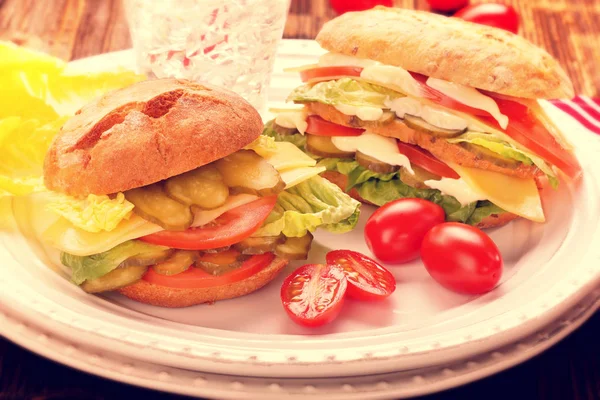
[71, 29]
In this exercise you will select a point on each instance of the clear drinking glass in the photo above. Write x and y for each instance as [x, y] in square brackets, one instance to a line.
[228, 43]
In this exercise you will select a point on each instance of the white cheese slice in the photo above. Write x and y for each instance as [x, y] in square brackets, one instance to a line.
[295, 119]
[457, 188]
[288, 156]
[365, 113]
[292, 177]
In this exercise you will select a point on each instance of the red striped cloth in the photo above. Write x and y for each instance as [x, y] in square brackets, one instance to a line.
[584, 109]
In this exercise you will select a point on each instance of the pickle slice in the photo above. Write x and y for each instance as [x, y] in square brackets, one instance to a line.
[216, 269]
[283, 130]
[148, 258]
[220, 263]
[385, 119]
[418, 178]
[420, 124]
[259, 245]
[295, 248]
[116, 279]
[202, 187]
[322, 146]
[488, 155]
[246, 172]
[374, 164]
[153, 204]
[179, 262]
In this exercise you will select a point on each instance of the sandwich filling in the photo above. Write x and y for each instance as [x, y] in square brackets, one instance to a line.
[215, 225]
[394, 133]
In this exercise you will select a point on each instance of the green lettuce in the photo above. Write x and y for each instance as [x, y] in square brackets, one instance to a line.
[345, 91]
[297, 139]
[497, 145]
[309, 205]
[380, 189]
[98, 265]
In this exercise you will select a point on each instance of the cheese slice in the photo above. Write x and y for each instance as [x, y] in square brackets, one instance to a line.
[292, 177]
[288, 156]
[516, 195]
[66, 237]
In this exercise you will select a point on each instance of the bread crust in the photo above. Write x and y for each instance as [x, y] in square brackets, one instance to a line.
[162, 296]
[145, 133]
[448, 48]
[441, 149]
[341, 180]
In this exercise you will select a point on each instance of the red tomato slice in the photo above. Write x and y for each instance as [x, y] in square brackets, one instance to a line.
[526, 128]
[367, 279]
[426, 160]
[196, 278]
[313, 294]
[320, 127]
[328, 73]
[232, 227]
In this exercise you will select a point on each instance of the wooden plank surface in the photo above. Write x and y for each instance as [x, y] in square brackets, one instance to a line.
[71, 29]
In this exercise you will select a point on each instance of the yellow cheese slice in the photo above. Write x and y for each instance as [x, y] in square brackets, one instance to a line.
[515, 195]
[66, 237]
[288, 156]
[295, 176]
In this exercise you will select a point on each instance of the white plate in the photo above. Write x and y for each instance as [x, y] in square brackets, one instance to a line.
[549, 269]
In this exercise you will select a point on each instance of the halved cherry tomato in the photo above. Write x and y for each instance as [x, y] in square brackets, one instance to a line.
[426, 160]
[462, 258]
[221, 258]
[232, 227]
[196, 278]
[394, 232]
[329, 73]
[342, 6]
[497, 15]
[526, 128]
[320, 127]
[313, 294]
[367, 279]
[447, 5]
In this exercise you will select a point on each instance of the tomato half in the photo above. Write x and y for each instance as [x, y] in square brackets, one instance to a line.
[343, 6]
[395, 231]
[367, 279]
[320, 127]
[462, 258]
[500, 16]
[313, 294]
[329, 73]
[426, 160]
[526, 128]
[447, 5]
[196, 278]
[232, 227]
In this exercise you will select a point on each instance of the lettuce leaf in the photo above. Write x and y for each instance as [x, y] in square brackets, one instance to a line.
[497, 145]
[309, 205]
[345, 91]
[98, 265]
[263, 145]
[94, 213]
[297, 139]
[380, 189]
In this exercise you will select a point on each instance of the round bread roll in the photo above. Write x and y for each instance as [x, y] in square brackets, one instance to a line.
[147, 132]
[341, 180]
[162, 296]
[448, 48]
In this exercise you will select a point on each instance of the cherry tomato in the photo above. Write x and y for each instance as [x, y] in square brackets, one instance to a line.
[447, 5]
[232, 227]
[394, 232]
[313, 294]
[367, 279]
[343, 6]
[426, 160]
[328, 73]
[497, 15]
[462, 258]
[195, 278]
[320, 127]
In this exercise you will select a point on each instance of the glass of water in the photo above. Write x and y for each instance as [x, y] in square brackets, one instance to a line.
[228, 43]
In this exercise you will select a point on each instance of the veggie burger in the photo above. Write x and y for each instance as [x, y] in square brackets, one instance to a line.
[166, 191]
[413, 104]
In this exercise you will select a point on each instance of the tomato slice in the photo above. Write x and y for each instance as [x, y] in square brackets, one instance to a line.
[367, 279]
[426, 160]
[320, 127]
[527, 129]
[232, 227]
[196, 278]
[313, 294]
[329, 73]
